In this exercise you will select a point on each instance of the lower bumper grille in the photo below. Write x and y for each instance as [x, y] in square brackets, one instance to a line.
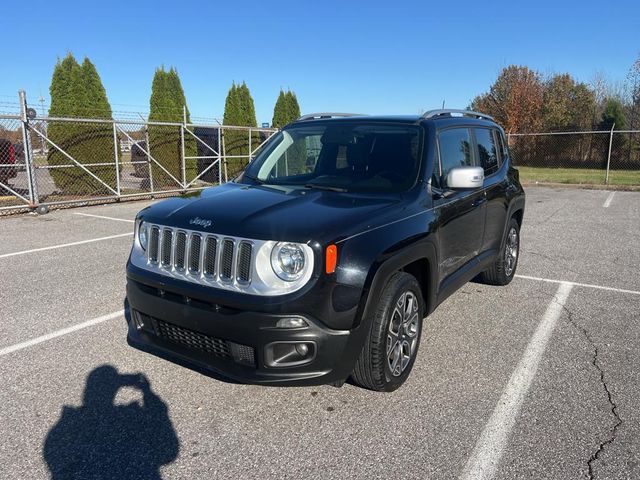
[195, 340]
[223, 349]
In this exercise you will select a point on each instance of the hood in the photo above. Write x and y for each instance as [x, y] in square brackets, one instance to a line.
[274, 213]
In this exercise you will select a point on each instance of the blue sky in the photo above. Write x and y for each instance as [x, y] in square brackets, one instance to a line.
[360, 56]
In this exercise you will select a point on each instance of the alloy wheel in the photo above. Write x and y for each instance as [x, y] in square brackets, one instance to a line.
[402, 337]
[511, 251]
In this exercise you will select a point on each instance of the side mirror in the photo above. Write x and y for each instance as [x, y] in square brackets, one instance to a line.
[464, 178]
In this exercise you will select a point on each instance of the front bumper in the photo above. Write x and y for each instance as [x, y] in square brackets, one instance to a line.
[231, 342]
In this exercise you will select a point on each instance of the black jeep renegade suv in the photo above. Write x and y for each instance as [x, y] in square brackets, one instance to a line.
[321, 260]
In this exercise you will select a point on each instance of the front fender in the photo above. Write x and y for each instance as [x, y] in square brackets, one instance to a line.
[369, 259]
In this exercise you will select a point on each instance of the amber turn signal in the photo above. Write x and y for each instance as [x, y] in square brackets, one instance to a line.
[331, 258]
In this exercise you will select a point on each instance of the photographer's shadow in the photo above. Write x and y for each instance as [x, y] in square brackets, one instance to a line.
[103, 440]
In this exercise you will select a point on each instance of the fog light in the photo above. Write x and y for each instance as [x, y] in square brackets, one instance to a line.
[289, 354]
[292, 322]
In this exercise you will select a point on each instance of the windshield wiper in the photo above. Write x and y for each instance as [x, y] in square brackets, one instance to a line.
[325, 187]
[255, 179]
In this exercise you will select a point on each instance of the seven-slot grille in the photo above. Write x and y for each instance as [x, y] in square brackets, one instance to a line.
[200, 256]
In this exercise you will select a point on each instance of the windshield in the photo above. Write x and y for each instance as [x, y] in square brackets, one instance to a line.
[341, 157]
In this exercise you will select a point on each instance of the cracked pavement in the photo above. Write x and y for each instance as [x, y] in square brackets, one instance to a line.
[614, 409]
[580, 419]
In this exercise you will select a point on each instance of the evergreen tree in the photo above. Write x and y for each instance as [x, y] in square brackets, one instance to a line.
[613, 114]
[280, 117]
[247, 107]
[286, 109]
[232, 114]
[77, 91]
[60, 91]
[239, 110]
[166, 105]
[97, 103]
[293, 108]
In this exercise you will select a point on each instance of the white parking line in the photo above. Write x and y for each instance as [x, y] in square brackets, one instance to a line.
[53, 247]
[103, 217]
[577, 284]
[484, 461]
[607, 202]
[59, 333]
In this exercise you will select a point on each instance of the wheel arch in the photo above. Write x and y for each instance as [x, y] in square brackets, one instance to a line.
[418, 259]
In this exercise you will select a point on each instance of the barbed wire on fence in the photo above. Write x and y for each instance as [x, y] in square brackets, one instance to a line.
[136, 112]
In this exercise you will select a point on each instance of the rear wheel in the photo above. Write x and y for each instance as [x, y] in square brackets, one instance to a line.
[392, 345]
[504, 268]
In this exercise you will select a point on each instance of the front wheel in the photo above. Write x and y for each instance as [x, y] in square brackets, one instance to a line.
[504, 268]
[392, 345]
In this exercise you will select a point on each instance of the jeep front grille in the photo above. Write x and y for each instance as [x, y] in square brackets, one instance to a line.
[153, 244]
[167, 240]
[244, 262]
[200, 257]
[194, 253]
[226, 260]
[181, 250]
[210, 255]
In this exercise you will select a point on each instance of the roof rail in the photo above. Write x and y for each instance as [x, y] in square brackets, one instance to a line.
[317, 116]
[449, 112]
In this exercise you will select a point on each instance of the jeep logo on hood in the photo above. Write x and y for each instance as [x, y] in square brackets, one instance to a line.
[203, 222]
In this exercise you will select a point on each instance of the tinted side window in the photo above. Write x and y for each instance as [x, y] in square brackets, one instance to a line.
[502, 146]
[487, 150]
[455, 149]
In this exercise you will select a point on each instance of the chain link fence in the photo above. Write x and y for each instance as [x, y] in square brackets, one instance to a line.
[594, 158]
[69, 161]
[48, 161]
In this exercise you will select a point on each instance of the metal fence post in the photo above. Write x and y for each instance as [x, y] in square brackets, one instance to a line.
[184, 160]
[146, 134]
[606, 177]
[28, 159]
[220, 155]
[225, 159]
[116, 156]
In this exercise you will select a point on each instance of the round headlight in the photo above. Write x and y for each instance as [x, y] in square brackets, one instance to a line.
[143, 235]
[287, 261]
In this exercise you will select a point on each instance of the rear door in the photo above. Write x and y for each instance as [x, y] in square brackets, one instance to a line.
[460, 212]
[491, 156]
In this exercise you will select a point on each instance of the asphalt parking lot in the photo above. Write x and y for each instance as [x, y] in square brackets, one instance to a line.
[539, 379]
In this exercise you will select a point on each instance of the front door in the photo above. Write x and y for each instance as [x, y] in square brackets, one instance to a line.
[461, 214]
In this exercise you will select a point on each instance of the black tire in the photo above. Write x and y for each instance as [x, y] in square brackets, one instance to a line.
[373, 370]
[504, 268]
